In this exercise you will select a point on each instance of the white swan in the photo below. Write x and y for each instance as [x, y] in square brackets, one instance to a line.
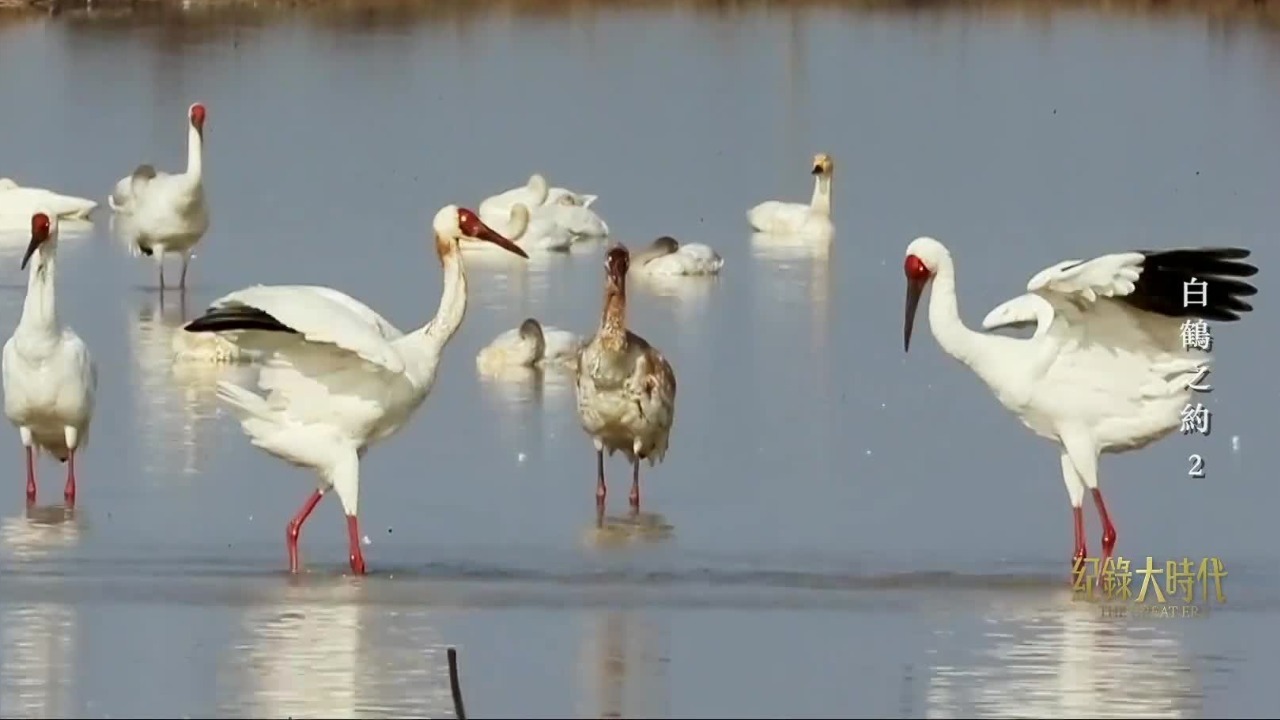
[580, 221]
[812, 220]
[534, 193]
[531, 345]
[532, 231]
[167, 212]
[668, 257]
[21, 202]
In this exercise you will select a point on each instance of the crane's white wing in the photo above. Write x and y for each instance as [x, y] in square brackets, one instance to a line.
[1020, 311]
[1106, 276]
[340, 369]
[325, 317]
[1071, 281]
[366, 313]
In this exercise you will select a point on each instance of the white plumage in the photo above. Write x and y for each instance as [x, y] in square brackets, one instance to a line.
[1106, 369]
[19, 203]
[162, 213]
[338, 377]
[50, 379]
[534, 193]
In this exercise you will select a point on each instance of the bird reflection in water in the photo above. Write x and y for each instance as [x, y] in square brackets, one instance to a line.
[686, 295]
[1062, 659]
[175, 396]
[624, 667]
[510, 281]
[325, 647]
[37, 659]
[521, 397]
[635, 527]
[40, 530]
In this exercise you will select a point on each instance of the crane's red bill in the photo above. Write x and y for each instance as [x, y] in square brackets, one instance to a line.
[472, 226]
[39, 234]
[917, 275]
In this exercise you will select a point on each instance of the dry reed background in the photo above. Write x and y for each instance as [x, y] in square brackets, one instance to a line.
[1266, 12]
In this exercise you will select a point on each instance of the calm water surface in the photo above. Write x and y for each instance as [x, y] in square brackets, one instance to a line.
[851, 531]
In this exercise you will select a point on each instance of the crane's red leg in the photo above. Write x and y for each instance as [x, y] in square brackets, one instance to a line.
[31, 476]
[69, 494]
[1108, 530]
[295, 527]
[1077, 560]
[635, 484]
[353, 539]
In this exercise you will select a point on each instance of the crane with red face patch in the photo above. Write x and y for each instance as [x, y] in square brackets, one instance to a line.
[1107, 369]
[338, 376]
[159, 213]
[50, 379]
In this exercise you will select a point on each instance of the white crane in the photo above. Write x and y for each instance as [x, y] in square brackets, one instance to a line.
[166, 213]
[1107, 369]
[338, 376]
[626, 389]
[49, 376]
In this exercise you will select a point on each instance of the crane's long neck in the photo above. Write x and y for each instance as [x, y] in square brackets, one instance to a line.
[948, 329]
[195, 153]
[39, 309]
[453, 301]
[613, 320]
[822, 194]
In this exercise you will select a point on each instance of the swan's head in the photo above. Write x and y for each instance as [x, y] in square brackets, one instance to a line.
[616, 263]
[665, 245]
[44, 233]
[453, 223]
[195, 114]
[924, 255]
[531, 330]
[823, 165]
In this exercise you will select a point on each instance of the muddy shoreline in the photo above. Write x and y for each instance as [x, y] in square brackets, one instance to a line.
[1263, 11]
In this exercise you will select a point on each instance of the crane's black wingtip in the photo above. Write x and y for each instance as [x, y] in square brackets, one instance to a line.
[1167, 285]
[237, 317]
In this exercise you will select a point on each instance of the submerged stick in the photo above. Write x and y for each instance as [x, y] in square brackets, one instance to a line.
[455, 686]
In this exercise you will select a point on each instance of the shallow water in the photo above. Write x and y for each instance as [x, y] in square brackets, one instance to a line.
[852, 531]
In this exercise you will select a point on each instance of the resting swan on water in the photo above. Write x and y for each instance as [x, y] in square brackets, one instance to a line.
[666, 256]
[788, 218]
[21, 202]
[534, 193]
[531, 345]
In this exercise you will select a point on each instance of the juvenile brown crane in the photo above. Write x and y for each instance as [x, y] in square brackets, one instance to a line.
[626, 389]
